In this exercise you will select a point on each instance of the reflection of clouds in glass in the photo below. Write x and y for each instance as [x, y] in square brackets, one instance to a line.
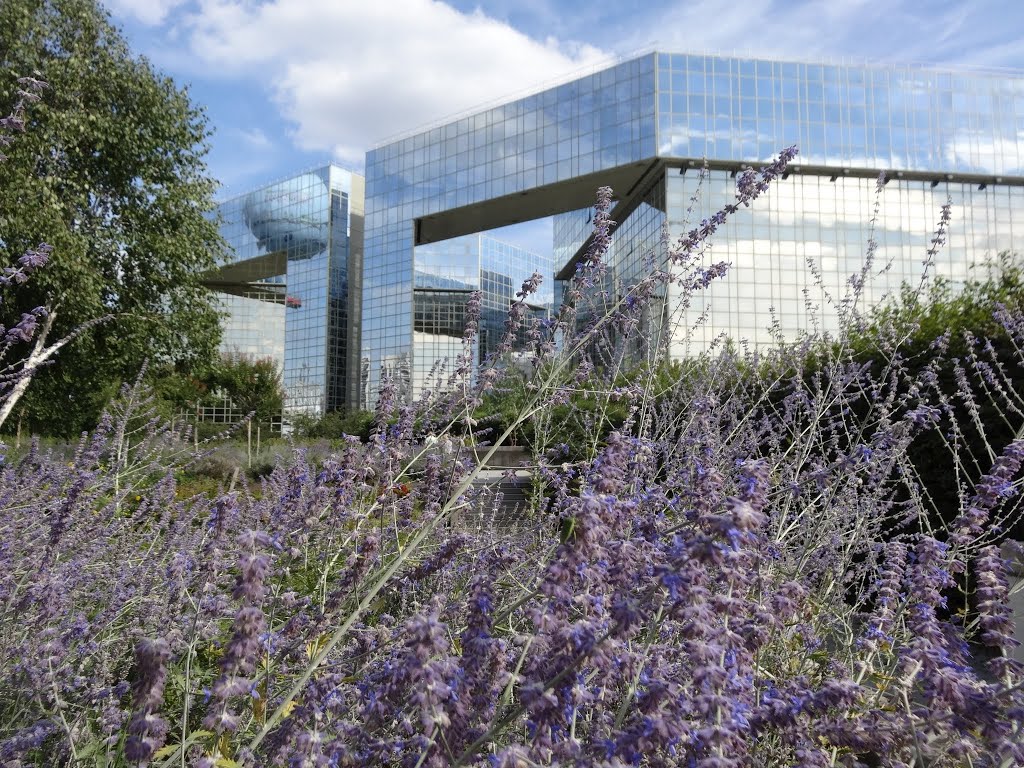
[849, 202]
[252, 326]
[998, 155]
[873, 117]
[289, 215]
[792, 255]
[433, 281]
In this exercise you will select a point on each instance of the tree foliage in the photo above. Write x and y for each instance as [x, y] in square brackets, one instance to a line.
[111, 173]
[334, 425]
[253, 384]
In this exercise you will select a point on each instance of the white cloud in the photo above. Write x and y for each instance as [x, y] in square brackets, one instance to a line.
[254, 138]
[349, 74]
[978, 32]
[149, 12]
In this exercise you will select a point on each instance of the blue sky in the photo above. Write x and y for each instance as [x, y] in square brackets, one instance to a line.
[292, 83]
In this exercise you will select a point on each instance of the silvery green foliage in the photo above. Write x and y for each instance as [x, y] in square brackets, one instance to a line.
[744, 571]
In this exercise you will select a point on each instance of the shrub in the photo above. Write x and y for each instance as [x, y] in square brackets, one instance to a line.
[335, 425]
[962, 346]
[252, 384]
[219, 464]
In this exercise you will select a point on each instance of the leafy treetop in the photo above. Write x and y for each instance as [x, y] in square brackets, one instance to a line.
[111, 173]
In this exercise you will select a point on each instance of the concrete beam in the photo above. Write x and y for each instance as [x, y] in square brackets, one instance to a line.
[536, 203]
[249, 270]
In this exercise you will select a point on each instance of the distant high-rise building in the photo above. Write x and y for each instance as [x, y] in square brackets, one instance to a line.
[290, 283]
[290, 287]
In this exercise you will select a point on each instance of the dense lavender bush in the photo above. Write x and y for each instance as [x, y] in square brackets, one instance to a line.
[741, 572]
[979, 355]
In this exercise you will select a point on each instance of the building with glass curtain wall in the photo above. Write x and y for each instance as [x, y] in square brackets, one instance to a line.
[646, 126]
[290, 283]
[445, 274]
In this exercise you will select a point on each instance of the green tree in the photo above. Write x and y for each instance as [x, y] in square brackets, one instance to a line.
[253, 384]
[111, 173]
[180, 391]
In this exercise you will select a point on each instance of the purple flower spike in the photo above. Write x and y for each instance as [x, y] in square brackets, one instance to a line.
[147, 730]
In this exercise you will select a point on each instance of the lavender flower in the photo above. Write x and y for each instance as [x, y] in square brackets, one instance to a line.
[729, 561]
[994, 614]
[989, 491]
[147, 729]
[243, 649]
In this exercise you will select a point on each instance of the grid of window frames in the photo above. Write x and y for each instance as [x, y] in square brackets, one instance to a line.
[446, 274]
[810, 233]
[503, 270]
[636, 246]
[883, 117]
[253, 326]
[600, 121]
[295, 233]
[569, 232]
[792, 255]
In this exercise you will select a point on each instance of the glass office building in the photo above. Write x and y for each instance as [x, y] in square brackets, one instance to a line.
[253, 322]
[445, 274]
[648, 126]
[290, 283]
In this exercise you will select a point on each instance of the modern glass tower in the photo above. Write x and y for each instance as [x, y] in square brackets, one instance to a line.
[290, 283]
[646, 127]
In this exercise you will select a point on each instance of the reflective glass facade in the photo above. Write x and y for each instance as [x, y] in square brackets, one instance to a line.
[253, 325]
[290, 282]
[792, 254]
[592, 124]
[881, 117]
[935, 133]
[445, 274]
